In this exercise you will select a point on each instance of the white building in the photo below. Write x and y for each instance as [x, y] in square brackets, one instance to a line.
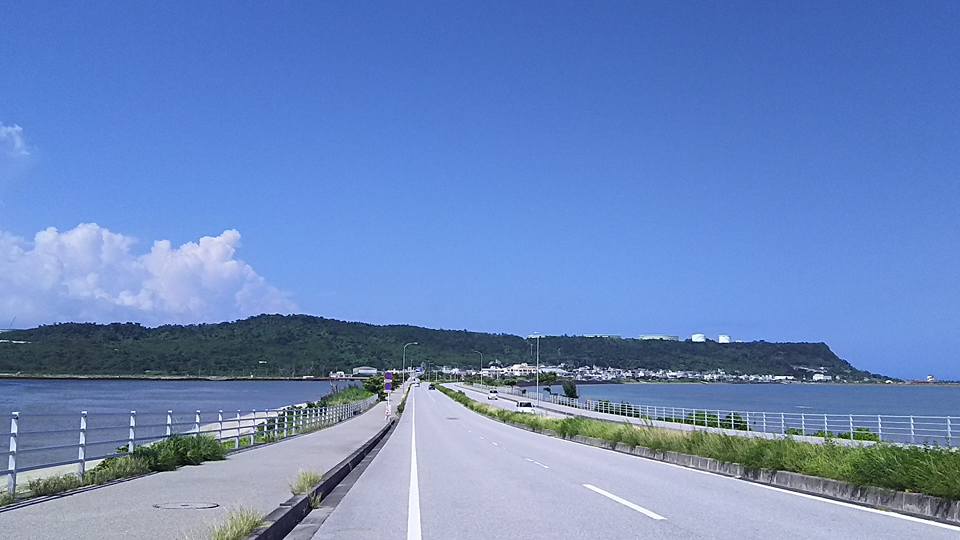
[723, 338]
[364, 371]
[520, 370]
[660, 337]
[820, 377]
[698, 338]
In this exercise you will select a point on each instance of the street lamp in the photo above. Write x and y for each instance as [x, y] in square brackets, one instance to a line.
[481, 366]
[403, 368]
[537, 336]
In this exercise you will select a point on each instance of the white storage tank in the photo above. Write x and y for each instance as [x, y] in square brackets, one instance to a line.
[723, 338]
[698, 338]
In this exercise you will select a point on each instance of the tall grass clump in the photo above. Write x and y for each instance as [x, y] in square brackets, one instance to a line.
[168, 454]
[929, 470]
[112, 469]
[306, 480]
[52, 485]
[345, 396]
[238, 525]
[6, 498]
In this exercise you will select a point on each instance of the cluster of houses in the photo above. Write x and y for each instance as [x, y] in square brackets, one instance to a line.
[595, 373]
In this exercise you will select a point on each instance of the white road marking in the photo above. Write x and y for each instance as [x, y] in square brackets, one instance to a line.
[482, 437]
[650, 514]
[887, 513]
[535, 462]
[494, 443]
[413, 501]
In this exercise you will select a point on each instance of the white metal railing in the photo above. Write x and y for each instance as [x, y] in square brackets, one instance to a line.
[900, 429]
[106, 435]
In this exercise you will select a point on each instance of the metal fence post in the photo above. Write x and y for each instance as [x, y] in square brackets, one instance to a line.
[253, 431]
[879, 427]
[220, 424]
[169, 430]
[131, 440]
[284, 412]
[196, 423]
[783, 424]
[913, 434]
[82, 446]
[826, 427]
[236, 438]
[803, 423]
[12, 455]
[949, 433]
[764, 413]
[851, 426]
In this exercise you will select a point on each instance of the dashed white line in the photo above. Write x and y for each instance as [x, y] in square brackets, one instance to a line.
[494, 443]
[535, 462]
[413, 501]
[649, 513]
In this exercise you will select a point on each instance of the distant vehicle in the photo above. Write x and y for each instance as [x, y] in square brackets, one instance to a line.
[492, 394]
[431, 387]
[417, 383]
[525, 406]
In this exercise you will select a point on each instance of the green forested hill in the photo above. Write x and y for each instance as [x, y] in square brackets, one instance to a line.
[298, 345]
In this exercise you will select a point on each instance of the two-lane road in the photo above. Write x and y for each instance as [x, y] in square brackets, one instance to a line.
[449, 473]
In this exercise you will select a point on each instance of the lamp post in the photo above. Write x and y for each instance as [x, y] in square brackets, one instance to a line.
[481, 366]
[537, 336]
[403, 369]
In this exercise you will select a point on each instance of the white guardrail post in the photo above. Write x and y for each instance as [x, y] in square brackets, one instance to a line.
[168, 431]
[131, 440]
[82, 446]
[196, 424]
[236, 438]
[12, 456]
[220, 425]
[253, 430]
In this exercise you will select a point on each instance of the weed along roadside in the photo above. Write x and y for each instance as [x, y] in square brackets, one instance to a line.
[913, 472]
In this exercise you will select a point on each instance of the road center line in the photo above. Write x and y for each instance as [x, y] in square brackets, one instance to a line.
[628, 504]
[413, 501]
[494, 443]
[535, 462]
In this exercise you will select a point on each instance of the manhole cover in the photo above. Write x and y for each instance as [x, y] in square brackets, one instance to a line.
[452, 418]
[186, 506]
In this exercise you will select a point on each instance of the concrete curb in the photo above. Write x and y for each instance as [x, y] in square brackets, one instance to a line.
[913, 504]
[280, 522]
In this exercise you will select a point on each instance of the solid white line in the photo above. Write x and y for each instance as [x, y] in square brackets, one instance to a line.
[413, 501]
[628, 504]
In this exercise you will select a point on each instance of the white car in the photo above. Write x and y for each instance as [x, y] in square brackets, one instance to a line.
[492, 394]
[526, 407]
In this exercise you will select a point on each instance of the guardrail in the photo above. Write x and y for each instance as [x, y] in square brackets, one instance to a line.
[98, 436]
[900, 429]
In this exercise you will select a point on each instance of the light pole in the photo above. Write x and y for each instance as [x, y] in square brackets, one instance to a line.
[536, 336]
[403, 368]
[481, 366]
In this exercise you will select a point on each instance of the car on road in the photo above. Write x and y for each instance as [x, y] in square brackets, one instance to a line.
[417, 383]
[431, 387]
[525, 406]
[492, 394]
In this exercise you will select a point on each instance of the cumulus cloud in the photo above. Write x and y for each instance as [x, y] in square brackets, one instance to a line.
[90, 273]
[12, 142]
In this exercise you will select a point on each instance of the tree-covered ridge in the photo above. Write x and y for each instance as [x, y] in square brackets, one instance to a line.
[296, 345]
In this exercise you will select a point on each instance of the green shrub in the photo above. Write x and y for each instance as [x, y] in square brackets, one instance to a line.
[52, 485]
[168, 454]
[6, 498]
[112, 469]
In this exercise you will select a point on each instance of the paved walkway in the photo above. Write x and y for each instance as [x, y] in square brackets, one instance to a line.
[258, 479]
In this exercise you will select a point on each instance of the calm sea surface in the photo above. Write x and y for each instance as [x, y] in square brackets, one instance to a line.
[53, 407]
[810, 398]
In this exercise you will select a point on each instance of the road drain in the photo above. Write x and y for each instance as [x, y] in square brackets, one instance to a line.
[186, 506]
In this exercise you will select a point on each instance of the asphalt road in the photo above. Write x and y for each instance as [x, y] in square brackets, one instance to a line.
[447, 472]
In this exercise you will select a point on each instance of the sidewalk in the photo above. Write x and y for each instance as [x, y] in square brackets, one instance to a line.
[257, 479]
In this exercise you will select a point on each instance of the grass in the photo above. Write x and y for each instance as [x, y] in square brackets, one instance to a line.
[238, 525]
[306, 481]
[52, 485]
[929, 470]
[403, 402]
[345, 396]
[6, 498]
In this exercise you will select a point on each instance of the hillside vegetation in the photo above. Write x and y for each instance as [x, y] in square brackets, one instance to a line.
[297, 345]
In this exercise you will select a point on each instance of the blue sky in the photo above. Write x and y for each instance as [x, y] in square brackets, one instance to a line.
[766, 171]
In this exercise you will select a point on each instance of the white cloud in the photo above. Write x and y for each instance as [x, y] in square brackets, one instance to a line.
[12, 142]
[92, 274]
